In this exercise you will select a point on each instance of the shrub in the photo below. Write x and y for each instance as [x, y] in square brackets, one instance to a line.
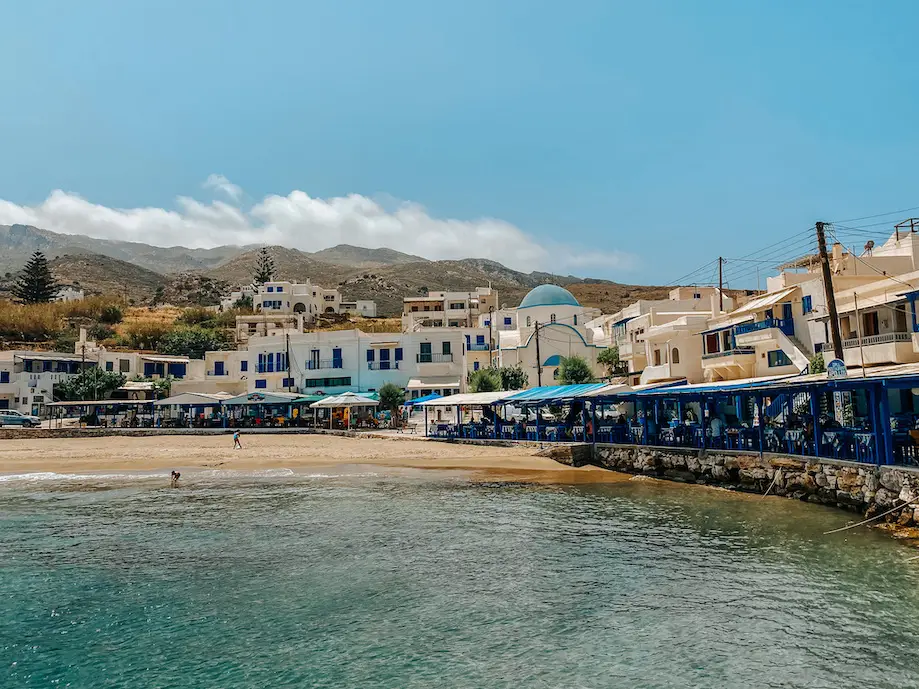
[111, 314]
[144, 334]
[484, 380]
[197, 315]
[193, 341]
[574, 370]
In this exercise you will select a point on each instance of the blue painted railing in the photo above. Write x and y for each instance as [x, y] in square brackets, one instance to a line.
[786, 325]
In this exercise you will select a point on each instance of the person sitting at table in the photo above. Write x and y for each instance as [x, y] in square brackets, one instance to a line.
[717, 426]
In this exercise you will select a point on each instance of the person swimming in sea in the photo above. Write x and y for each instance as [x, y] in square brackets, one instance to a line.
[174, 479]
[236, 444]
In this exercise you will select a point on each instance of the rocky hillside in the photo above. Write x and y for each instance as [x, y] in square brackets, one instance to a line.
[359, 257]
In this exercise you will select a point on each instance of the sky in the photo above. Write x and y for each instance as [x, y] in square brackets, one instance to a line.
[634, 141]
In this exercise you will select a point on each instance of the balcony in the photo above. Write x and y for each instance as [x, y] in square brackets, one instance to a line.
[888, 348]
[737, 351]
[434, 358]
[316, 364]
[786, 325]
[383, 365]
[886, 338]
[478, 347]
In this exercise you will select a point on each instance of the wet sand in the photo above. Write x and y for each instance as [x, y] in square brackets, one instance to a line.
[262, 451]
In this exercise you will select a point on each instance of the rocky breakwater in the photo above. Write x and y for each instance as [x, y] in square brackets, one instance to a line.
[864, 488]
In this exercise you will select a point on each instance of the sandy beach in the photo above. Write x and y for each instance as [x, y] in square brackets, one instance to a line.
[263, 451]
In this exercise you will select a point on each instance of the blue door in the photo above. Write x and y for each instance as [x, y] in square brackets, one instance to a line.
[788, 323]
[218, 368]
[384, 359]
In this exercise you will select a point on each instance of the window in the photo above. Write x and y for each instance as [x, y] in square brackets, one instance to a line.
[675, 355]
[529, 321]
[507, 321]
[336, 358]
[327, 382]
[176, 370]
[424, 353]
[457, 305]
[575, 319]
[4, 376]
[280, 289]
[218, 368]
[807, 303]
[475, 365]
[124, 365]
[287, 383]
[552, 318]
[109, 365]
[414, 308]
[398, 353]
[696, 295]
[271, 289]
[778, 358]
[46, 366]
[657, 357]
[261, 384]
[371, 356]
[244, 365]
[280, 362]
[480, 339]
[445, 348]
[487, 323]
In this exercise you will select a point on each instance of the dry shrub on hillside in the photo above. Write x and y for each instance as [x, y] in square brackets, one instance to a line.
[32, 323]
[144, 334]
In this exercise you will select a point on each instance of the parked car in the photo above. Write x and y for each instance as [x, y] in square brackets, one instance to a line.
[11, 417]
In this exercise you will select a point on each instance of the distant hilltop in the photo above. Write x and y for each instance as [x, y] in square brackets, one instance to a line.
[184, 276]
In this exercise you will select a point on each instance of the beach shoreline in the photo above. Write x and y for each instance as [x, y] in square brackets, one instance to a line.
[274, 452]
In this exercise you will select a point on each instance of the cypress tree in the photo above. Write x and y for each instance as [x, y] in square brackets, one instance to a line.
[264, 267]
[36, 284]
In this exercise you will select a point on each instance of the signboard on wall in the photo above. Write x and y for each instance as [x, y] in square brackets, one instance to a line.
[836, 369]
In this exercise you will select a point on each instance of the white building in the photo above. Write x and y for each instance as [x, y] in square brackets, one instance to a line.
[550, 325]
[360, 307]
[448, 309]
[432, 361]
[67, 294]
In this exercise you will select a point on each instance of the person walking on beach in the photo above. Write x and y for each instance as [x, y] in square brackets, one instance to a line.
[236, 444]
[174, 479]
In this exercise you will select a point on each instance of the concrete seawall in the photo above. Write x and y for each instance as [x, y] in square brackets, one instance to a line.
[863, 488]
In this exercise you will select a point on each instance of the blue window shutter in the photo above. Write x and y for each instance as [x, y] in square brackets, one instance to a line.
[475, 365]
[507, 321]
[109, 365]
[398, 353]
[4, 376]
[148, 369]
[261, 383]
[480, 339]
[370, 355]
[244, 365]
[218, 368]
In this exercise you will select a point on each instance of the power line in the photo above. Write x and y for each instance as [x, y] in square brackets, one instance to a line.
[879, 215]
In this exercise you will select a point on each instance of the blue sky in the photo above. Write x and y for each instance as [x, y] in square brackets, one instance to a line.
[625, 140]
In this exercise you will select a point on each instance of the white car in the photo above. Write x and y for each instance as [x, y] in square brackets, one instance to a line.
[11, 417]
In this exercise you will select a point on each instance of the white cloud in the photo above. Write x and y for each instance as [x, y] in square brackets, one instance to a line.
[222, 184]
[310, 224]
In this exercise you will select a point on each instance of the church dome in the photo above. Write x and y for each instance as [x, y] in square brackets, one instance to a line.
[548, 295]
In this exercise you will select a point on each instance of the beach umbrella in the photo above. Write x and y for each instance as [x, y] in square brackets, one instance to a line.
[345, 400]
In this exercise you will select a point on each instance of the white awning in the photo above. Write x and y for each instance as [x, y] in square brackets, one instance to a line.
[432, 383]
[165, 359]
[197, 399]
[467, 399]
[346, 399]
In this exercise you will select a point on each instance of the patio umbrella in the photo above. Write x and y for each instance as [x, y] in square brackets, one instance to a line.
[344, 400]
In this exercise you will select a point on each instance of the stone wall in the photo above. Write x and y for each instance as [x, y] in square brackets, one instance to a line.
[863, 488]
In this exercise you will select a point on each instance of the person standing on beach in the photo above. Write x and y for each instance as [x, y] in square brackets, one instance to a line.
[236, 444]
[174, 479]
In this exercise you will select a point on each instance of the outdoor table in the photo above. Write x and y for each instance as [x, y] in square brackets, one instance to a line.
[552, 433]
[794, 440]
[578, 432]
[666, 436]
[531, 433]
[773, 439]
[509, 431]
[834, 439]
[605, 434]
[864, 445]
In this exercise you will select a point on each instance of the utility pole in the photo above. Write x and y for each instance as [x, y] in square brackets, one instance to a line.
[538, 359]
[860, 335]
[720, 284]
[830, 295]
[491, 336]
[289, 380]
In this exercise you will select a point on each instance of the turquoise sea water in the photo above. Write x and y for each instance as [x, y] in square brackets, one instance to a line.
[357, 578]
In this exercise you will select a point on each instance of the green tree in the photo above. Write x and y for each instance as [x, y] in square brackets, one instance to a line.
[243, 303]
[161, 386]
[391, 398]
[89, 384]
[817, 364]
[111, 314]
[484, 380]
[574, 370]
[264, 267]
[36, 284]
[193, 341]
[513, 378]
[609, 359]
[158, 296]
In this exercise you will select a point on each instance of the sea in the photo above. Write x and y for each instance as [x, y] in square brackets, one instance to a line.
[359, 576]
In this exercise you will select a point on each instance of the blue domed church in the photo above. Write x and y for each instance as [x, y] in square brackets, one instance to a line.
[551, 320]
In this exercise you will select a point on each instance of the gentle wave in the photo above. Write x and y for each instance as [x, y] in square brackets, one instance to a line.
[44, 476]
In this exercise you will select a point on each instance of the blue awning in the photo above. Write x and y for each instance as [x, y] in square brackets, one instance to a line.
[426, 398]
[714, 388]
[552, 393]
